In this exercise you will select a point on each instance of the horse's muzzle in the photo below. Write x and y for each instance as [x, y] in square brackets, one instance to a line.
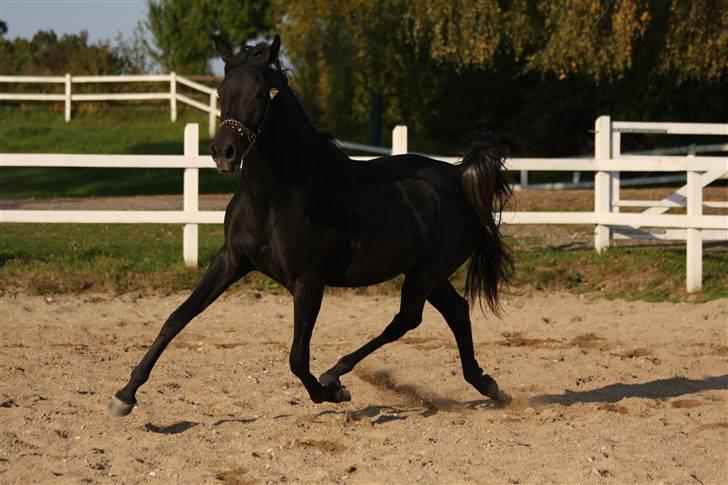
[224, 157]
[226, 167]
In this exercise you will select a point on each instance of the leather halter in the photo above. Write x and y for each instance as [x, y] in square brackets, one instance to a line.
[251, 135]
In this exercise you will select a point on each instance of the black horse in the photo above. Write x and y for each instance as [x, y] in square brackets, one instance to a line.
[308, 216]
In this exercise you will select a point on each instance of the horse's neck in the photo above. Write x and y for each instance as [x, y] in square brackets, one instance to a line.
[293, 152]
[293, 165]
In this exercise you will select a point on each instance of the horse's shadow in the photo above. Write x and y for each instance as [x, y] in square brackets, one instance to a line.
[659, 389]
[176, 428]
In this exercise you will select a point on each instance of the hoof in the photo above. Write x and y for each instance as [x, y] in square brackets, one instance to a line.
[117, 407]
[502, 399]
[336, 392]
[327, 379]
[342, 394]
[499, 397]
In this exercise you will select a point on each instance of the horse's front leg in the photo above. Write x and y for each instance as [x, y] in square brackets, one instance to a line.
[225, 269]
[306, 304]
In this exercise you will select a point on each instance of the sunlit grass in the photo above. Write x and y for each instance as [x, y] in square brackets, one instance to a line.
[59, 258]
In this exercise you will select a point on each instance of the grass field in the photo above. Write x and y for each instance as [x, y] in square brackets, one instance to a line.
[49, 259]
[71, 258]
[116, 130]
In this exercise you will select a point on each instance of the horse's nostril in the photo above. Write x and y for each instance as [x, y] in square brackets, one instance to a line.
[213, 151]
[229, 152]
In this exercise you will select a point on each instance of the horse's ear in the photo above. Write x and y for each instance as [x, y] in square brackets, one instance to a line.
[274, 49]
[223, 49]
[263, 54]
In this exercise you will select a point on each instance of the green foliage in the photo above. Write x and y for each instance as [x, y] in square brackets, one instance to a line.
[541, 72]
[345, 53]
[47, 54]
[182, 28]
[134, 52]
[696, 48]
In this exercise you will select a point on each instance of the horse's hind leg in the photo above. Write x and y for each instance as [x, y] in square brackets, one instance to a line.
[225, 269]
[456, 311]
[409, 317]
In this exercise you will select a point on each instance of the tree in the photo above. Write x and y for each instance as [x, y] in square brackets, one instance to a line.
[354, 64]
[540, 70]
[181, 29]
[596, 38]
[134, 51]
[46, 53]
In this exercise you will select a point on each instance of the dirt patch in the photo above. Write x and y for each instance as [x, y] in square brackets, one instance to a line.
[634, 353]
[589, 341]
[517, 339]
[426, 343]
[613, 408]
[234, 476]
[324, 446]
[712, 426]
[685, 403]
[223, 407]
[720, 350]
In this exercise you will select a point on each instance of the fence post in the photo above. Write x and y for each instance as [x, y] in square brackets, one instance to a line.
[68, 98]
[191, 195]
[173, 96]
[615, 177]
[602, 185]
[212, 118]
[524, 179]
[694, 244]
[399, 140]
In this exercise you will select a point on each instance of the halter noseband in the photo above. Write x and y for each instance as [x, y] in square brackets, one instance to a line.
[251, 135]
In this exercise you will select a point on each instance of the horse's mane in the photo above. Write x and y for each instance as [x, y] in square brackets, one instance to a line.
[282, 74]
[324, 169]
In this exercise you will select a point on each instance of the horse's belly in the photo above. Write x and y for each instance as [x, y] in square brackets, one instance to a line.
[379, 257]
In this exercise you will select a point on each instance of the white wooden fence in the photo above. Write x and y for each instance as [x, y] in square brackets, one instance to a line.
[694, 227]
[172, 79]
[68, 96]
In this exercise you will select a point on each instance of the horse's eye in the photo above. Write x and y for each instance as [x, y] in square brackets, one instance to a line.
[260, 95]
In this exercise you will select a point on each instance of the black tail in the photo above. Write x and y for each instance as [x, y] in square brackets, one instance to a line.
[486, 189]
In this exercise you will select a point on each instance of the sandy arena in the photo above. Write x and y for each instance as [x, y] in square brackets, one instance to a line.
[605, 392]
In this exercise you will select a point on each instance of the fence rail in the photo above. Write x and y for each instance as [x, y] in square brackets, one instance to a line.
[68, 97]
[693, 227]
[172, 95]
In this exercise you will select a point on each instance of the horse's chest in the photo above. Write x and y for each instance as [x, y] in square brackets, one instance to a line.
[275, 248]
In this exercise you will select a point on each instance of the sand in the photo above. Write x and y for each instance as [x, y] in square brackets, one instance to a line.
[605, 392]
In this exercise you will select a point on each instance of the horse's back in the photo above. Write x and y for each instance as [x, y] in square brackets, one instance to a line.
[408, 209]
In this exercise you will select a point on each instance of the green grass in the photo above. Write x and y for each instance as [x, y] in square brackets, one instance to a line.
[71, 258]
[62, 258]
[59, 258]
[632, 273]
[115, 130]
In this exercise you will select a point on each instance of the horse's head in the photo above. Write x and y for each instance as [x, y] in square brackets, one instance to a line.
[247, 97]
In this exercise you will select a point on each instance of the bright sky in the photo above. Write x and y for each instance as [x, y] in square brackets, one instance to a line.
[103, 19]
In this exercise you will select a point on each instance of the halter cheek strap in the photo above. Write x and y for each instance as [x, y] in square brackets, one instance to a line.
[251, 135]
